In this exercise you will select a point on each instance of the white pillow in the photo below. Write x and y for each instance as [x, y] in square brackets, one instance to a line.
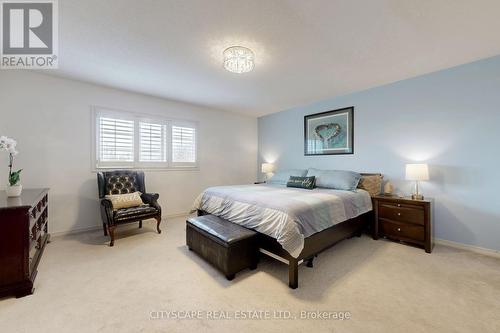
[281, 177]
[335, 179]
[125, 200]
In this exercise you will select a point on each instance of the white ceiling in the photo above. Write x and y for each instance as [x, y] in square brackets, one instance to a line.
[306, 50]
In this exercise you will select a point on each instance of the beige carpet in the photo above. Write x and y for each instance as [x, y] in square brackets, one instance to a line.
[85, 286]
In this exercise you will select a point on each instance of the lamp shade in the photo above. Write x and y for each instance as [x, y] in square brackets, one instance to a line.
[267, 167]
[417, 172]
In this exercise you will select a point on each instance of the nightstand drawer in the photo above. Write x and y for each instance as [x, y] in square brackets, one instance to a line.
[401, 212]
[402, 230]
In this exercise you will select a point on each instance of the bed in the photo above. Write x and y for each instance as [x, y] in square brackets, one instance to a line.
[294, 225]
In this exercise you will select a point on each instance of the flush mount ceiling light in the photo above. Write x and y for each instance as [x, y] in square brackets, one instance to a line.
[238, 59]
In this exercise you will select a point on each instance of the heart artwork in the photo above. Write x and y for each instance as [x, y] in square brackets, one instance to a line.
[327, 131]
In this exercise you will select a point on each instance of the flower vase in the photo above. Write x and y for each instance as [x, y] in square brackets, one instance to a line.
[14, 190]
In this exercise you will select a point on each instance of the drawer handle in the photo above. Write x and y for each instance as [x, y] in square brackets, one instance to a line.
[399, 205]
[399, 229]
[399, 214]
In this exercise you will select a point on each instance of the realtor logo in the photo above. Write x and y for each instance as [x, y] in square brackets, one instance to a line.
[29, 34]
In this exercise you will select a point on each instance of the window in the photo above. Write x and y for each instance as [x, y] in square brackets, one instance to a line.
[152, 147]
[126, 140]
[183, 144]
[116, 142]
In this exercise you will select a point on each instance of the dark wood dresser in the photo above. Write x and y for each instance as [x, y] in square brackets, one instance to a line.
[23, 236]
[405, 220]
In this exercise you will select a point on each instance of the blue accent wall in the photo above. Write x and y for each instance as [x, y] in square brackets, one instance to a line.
[449, 119]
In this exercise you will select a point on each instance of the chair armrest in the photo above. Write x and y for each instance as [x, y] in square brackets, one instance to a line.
[107, 203]
[107, 211]
[151, 199]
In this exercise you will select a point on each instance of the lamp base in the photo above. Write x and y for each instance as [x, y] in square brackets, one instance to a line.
[417, 197]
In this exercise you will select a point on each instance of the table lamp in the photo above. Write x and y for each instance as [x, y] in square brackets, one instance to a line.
[417, 172]
[267, 168]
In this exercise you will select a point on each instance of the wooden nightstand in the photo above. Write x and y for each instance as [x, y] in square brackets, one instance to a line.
[404, 219]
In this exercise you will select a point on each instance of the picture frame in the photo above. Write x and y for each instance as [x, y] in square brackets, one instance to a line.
[329, 132]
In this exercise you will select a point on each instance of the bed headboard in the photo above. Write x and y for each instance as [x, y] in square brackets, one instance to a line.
[371, 174]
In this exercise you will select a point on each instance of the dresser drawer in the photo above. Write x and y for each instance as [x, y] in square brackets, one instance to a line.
[34, 232]
[402, 230]
[34, 247]
[401, 212]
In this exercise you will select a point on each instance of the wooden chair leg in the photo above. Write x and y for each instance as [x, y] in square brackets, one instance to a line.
[111, 231]
[293, 273]
[105, 229]
[158, 221]
[140, 224]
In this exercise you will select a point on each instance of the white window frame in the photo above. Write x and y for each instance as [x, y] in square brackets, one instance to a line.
[96, 165]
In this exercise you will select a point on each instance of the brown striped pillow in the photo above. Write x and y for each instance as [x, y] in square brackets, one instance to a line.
[371, 183]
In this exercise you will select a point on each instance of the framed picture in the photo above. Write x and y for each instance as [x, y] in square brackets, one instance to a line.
[329, 133]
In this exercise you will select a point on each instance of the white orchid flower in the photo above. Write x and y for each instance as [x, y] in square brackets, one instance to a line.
[3, 139]
[8, 144]
[11, 142]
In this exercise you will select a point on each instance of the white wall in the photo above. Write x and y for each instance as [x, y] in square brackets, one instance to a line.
[449, 119]
[51, 120]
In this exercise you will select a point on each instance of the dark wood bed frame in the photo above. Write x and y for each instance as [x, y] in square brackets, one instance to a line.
[314, 244]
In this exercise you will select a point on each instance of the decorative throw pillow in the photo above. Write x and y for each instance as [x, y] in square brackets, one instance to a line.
[335, 179]
[372, 184]
[301, 182]
[125, 200]
[281, 177]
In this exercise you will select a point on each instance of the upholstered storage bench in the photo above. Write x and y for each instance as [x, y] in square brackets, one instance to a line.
[228, 246]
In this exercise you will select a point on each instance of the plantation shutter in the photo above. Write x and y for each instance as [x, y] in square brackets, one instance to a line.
[183, 145]
[116, 140]
[125, 140]
[152, 142]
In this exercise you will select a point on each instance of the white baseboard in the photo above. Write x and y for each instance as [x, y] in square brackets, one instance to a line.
[466, 247]
[172, 216]
[444, 242]
[99, 227]
[74, 231]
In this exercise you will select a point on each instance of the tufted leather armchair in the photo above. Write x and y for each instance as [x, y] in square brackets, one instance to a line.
[123, 182]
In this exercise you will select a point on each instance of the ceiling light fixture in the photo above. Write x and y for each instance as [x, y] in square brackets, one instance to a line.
[238, 59]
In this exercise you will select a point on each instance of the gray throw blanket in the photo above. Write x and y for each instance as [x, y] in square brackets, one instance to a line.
[286, 214]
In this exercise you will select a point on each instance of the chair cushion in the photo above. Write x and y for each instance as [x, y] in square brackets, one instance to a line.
[135, 213]
[225, 231]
